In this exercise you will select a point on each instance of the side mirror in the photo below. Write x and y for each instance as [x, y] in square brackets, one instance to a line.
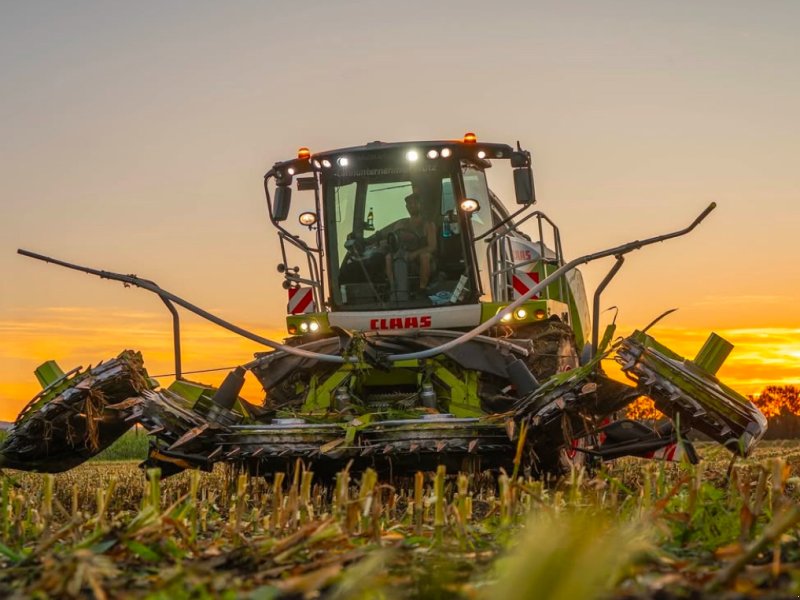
[523, 185]
[523, 176]
[281, 203]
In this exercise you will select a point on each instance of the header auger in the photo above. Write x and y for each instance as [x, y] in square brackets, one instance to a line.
[425, 328]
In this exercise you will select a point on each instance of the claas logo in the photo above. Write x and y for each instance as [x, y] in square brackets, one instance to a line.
[401, 323]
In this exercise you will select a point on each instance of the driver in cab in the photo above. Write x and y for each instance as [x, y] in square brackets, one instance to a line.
[417, 236]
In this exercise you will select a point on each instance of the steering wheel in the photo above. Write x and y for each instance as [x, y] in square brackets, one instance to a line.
[355, 245]
[406, 239]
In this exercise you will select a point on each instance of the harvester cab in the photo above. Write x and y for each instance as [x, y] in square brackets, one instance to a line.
[409, 236]
[425, 328]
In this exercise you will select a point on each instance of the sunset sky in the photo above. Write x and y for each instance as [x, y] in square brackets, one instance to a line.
[135, 137]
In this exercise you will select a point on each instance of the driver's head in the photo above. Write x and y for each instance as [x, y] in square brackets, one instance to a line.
[412, 204]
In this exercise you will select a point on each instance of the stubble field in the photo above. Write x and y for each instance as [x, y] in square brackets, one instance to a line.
[634, 529]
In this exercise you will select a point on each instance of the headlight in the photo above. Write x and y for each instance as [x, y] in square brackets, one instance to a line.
[506, 317]
[307, 218]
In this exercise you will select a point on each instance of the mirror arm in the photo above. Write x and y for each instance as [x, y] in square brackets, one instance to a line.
[508, 219]
[267, 177]
[275, 223]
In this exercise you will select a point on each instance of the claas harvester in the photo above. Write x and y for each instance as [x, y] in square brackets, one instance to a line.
[425, 327]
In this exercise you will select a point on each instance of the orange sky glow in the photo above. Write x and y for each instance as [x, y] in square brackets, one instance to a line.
[79, 336]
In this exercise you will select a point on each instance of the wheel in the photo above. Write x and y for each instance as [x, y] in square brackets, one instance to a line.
[554, 348]
[555, 352]
[558, 458]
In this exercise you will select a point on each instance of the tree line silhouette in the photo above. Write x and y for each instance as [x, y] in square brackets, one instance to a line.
[779, 403]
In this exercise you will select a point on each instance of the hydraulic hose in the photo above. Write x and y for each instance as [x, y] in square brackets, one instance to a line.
[332, 358]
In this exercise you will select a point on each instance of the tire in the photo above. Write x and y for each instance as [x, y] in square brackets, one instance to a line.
[555, 351]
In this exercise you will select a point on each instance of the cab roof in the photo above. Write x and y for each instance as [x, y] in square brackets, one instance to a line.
[307, 161]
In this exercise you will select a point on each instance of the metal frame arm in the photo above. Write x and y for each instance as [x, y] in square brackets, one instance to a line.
[596, 302]
[162, 293]
[176, 335]
[618, 250]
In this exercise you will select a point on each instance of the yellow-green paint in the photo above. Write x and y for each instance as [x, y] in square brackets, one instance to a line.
[48, 373]
[196, 394]
[320, 395]
[713, 354]
[190, 390]
[457, 388]
[463, 388]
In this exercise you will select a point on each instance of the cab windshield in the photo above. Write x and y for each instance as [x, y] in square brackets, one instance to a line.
[394, 237]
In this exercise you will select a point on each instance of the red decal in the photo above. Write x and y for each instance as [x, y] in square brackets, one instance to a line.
[522, 254]
[401, 323]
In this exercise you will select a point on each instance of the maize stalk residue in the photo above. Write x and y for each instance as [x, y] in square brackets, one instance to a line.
[106, 530]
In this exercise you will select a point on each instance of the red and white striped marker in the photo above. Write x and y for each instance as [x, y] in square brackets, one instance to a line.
[523, 282]
[301, 301]
[670, 453]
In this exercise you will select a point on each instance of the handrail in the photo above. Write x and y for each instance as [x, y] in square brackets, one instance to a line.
[315, 282]
[503, 238]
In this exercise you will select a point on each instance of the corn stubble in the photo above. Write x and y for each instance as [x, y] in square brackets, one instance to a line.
[634, 530]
